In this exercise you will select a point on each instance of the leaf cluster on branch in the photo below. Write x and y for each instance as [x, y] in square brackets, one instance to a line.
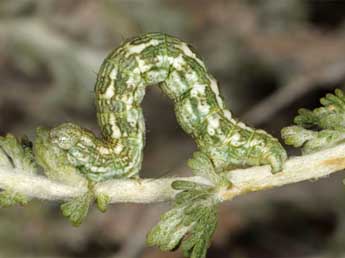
[321, 128]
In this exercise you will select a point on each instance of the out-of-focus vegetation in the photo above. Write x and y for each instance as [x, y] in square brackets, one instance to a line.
[270, 57]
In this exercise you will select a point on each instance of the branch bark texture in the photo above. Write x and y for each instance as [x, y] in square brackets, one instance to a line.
[296, 169]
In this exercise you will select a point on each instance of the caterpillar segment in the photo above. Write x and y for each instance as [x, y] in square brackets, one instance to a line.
[157, 58]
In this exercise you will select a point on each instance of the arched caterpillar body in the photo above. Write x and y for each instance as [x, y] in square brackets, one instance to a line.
[157, 58]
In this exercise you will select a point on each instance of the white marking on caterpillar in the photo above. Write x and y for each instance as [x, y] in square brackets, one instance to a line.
[104, 151]
[198, 89]
[227, 114]
[116, 133]
[128, 100]
[132, 118]
[243, 126]
[214, 88]
[118, 148]
[161, 60]
[137, 49]
[177, 62]
[192, 77]
[255, 142]
[236, 139]
[179, 85]
[134, 49]
[204, 108]
[188, 52]
[213, 124]
[113, 74]
[190, 111]
[143, 67]
[87, 141]
[110, 91]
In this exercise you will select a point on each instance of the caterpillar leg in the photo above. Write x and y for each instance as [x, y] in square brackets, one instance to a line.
[263, 149]
[76, 209]
[275, 156]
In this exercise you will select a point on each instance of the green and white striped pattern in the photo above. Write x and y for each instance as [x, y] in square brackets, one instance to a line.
[157, 58]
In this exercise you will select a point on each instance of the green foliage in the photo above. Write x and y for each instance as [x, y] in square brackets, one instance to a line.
[103, 201]
[192, 220]
[9, 198]
[76, 209]
[330, 116]
[15, 154]
[321, 128]
[202, 166]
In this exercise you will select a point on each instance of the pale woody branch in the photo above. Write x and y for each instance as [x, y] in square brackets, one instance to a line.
[37, 186]
[296, 169]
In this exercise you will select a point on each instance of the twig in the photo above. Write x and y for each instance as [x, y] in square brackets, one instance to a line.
[37, 186]
[296, 169]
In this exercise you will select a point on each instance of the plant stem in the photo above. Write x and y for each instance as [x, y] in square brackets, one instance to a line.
[296, 169]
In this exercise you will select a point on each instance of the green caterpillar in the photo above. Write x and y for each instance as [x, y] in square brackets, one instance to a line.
[157, 58]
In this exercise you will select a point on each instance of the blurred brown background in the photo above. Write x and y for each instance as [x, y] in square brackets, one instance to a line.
[270, 57]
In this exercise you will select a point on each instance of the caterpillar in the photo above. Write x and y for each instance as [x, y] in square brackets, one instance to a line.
[157, 58]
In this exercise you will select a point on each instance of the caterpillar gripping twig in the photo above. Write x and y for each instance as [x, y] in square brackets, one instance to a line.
[157, 58]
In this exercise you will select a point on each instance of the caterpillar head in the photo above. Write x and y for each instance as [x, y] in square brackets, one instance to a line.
[83, 150]
[66, 135]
